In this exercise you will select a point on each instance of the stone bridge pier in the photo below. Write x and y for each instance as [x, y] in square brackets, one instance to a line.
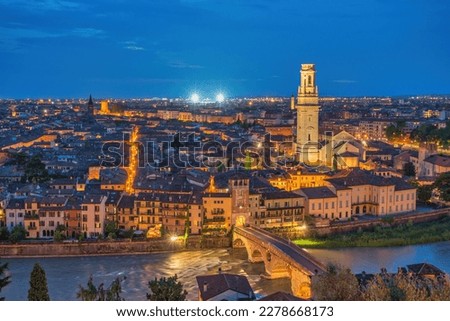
[276, 265]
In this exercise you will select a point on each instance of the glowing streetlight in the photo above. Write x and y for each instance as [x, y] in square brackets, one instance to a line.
[195, 98]
[173, 238]
[220, 98]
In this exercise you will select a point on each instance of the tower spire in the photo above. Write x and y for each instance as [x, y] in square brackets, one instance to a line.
[308, 116]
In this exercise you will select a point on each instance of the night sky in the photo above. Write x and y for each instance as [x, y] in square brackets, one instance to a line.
[170, 48]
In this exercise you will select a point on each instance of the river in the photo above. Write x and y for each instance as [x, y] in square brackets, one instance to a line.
[67, 273]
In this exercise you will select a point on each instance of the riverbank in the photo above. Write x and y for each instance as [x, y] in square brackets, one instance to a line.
[401, 235]
[100, 248]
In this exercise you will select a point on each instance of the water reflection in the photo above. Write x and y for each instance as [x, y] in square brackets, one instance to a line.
[66, 274]
[373, 259]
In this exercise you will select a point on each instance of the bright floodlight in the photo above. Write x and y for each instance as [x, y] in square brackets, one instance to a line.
[220, 98]
[173, 238]
[195, 98]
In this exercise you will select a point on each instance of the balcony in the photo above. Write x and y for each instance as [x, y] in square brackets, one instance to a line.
[218, 212]
[218, 219]
[31, 217]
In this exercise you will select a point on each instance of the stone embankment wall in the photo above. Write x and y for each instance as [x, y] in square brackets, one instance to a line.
[353, 226]
[48, 249]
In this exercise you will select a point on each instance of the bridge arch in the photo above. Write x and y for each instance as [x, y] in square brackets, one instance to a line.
[281, 259]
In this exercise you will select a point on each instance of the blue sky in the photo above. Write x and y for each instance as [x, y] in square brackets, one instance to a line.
[51, 48]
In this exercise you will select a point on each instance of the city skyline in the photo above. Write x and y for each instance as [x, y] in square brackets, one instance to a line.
[65, 49]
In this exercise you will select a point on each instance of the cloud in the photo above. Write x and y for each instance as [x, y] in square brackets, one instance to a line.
[132, 45]
[87, 32]
[184, 65]
[344, 81]
[14, 39]
[135, 48]
[44, 5]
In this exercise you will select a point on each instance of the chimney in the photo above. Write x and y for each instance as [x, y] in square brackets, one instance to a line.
[205, 286]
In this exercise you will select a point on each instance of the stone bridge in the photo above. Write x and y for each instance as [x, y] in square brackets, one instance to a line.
[281, 258]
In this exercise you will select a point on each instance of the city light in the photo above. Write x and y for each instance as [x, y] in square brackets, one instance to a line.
[173, 238]
[220, 98]
[131, 170]
[195, 98]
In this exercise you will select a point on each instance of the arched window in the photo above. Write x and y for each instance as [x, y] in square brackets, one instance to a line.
[357, 210]
[309, 80]
[364, 209]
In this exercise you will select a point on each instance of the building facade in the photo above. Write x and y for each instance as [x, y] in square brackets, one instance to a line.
[308, 116]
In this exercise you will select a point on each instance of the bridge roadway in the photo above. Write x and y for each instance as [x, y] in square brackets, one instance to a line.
[281, 247]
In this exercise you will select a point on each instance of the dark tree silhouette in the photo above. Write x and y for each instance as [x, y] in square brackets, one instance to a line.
[94, 293]
[166, 289]
[4, 280]
[38, 285]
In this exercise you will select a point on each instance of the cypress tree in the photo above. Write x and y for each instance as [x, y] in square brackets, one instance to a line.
[38, 285]
[4, 280]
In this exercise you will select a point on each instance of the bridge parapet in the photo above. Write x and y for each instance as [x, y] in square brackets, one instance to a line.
[281, 258]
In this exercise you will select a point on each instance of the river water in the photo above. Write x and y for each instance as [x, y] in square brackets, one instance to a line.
[66, 274]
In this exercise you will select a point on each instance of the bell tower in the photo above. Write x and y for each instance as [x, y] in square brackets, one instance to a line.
[308, 116]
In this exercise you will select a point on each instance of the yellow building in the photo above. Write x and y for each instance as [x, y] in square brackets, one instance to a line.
[293, 180]
[104, 107]
[279, 209]
[169, 214]
[373, 194]
[217, 209]
[357, 192]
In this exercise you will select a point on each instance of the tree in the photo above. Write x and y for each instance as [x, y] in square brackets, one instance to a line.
[18, 233]
[4, 233]
[111, 230]
[38, 285]
[94, 293]
[395, 131]
[166, 289]
[4, 280]
[409, 169]
[377, 290]
[336, 284]
[424, 192]
[442, 183]
[35, 171]
[59, 233]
